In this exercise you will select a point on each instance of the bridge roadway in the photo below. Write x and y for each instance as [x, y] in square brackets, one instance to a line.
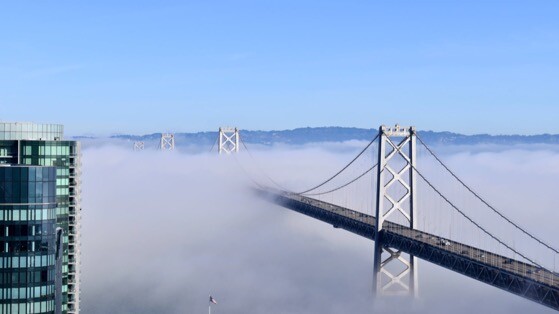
[517, 277]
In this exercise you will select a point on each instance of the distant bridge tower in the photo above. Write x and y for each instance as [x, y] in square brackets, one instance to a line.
[396, 273]
[167, 141]
[139, 145]
[228, 140]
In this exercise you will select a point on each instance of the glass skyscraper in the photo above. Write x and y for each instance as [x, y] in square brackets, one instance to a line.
[28, 248]
[22, 146]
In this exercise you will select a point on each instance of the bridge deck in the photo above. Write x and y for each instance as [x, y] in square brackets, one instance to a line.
[526, 280]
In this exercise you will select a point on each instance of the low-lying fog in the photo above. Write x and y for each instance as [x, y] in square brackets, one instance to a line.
[160, 231]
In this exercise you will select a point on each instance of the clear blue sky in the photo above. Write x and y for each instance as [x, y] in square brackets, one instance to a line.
[148, 66]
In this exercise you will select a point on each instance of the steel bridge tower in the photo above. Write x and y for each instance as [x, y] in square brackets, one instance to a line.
[139, 145]
[167, 141]
[395, 273]
[228, 140]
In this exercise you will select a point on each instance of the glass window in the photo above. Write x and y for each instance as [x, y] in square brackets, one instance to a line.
[24, 173]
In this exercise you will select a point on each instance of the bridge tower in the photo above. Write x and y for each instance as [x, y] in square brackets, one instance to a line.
[139, 145]
[228, 140]
[167, 141]
[395, 273]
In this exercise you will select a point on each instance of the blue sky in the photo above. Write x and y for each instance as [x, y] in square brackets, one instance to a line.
[149, 66]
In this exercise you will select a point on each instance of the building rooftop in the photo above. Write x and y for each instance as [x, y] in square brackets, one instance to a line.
[30, 131]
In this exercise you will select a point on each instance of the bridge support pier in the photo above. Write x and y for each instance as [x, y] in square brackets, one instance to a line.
[395, 273]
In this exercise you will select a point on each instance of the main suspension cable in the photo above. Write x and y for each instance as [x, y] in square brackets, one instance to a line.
[213, 145]
[474, 222]
[485, 202]
[343, 169]
[260, 168]
[247, 174]
[342, 186]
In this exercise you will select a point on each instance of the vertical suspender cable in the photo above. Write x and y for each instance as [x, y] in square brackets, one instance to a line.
[485, 202]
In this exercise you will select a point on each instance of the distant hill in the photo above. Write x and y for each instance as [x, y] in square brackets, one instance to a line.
[301, 136]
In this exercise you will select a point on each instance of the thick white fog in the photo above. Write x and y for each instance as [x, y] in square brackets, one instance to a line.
[160, 231]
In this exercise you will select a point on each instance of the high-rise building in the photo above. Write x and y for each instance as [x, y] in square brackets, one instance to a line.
[29, 257]
[30, 144]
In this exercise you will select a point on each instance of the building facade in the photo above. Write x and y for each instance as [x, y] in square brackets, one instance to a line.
[29, 144]
[28, 247]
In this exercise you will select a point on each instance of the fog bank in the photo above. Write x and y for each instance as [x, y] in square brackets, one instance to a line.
[162, 230]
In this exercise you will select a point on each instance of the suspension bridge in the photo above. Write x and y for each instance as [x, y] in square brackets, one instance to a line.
[394, 182]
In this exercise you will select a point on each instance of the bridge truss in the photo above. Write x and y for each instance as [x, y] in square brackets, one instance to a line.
[517, 277]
